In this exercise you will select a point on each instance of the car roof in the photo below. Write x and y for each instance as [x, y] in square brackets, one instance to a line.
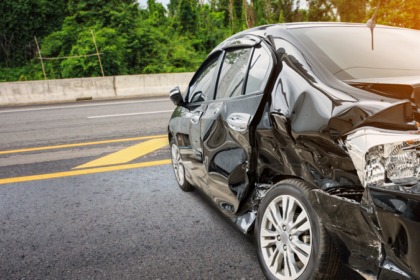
[313, 24]
[281, 29]
[285, 31]
[295, 25]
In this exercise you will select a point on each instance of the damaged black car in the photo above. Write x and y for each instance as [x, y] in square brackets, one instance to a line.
[307, 136]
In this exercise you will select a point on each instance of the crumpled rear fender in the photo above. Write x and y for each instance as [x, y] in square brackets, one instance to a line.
[396, 116]
[378, 237]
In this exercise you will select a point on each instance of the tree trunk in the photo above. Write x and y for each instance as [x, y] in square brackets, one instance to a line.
[231, 15]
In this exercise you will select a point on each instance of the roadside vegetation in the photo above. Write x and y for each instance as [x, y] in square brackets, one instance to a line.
[153, 39]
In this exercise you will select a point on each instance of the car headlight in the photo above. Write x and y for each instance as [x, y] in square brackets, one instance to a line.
[383, 158]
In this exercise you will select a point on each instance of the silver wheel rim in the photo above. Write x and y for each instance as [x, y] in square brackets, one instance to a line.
[286, 238]
[176, 163]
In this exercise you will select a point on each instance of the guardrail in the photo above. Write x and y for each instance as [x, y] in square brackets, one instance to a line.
[64, 90]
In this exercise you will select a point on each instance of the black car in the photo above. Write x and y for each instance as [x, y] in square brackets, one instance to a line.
[307, 136]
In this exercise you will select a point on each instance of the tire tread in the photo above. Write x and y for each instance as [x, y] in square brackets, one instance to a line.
[187, 186]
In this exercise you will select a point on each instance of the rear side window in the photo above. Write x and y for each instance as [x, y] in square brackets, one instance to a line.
[258, 70]
[199, 90]
[232, 73]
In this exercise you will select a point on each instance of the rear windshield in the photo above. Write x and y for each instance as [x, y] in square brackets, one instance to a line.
[347, 51]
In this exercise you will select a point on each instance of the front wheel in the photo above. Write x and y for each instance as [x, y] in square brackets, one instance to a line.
[179, 168]
[291, 241]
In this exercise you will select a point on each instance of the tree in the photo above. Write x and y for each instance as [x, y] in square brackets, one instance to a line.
[20, 21]
[249, 14]
[223, 7]
[286, 8]
[401, 13]
[187, 16]
[237, 4]
[153, 39]
[320, 10]
[173, 7]
[351, 10]
[111, 45]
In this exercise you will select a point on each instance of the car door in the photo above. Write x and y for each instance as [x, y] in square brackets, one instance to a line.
[198, 95]
[226, 125]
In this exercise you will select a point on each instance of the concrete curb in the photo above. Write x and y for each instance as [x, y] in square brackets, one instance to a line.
[68, 90]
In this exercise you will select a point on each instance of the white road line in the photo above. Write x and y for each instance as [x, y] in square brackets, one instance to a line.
[132, 114]
[78, 106]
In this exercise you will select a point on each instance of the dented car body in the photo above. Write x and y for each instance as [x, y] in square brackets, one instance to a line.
[285, 102]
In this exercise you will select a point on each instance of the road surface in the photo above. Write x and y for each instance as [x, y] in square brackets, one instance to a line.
[76, 204]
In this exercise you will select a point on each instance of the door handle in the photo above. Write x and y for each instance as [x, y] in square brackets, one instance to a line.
[195, 117]
[238, 121]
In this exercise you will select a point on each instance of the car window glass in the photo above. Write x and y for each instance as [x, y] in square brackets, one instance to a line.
[199, 90]
[347, 51]
[232, 73]
[258, 70]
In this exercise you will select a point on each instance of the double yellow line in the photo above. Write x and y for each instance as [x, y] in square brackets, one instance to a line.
[83, 172]
[119, 157]
[81, 144]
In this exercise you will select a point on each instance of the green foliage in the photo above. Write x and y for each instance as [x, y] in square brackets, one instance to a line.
[351, 10]
[281, 17]
[136, 40]
[14, 74]
[401, 13]
[288, 11]
[113, 58]
[187, 16]
[320, 10]
[20, 21]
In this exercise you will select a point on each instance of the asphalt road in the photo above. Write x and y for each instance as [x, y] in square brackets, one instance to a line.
[131, 222]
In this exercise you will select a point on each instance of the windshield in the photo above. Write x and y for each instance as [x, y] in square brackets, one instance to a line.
[347, 51]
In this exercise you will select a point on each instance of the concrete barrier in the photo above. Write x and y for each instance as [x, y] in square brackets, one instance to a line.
[33, 92]
[150, 85]
[64, 90]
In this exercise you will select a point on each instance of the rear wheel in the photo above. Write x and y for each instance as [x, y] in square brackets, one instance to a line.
[291, 241]
[179, 168]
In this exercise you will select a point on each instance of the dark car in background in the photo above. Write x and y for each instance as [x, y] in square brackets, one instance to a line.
[307, 137]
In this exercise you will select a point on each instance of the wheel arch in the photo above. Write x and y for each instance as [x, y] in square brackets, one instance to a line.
[283, 177]
[280, 178]
[326, 252]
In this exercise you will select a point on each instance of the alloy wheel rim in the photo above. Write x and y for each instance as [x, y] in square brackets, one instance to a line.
[286, 238]
[176, 163]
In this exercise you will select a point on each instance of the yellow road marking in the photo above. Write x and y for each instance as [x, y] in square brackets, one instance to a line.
[81, 144]
[128, 154]
[83, 172]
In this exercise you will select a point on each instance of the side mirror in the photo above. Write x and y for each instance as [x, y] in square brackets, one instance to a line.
[176, 96]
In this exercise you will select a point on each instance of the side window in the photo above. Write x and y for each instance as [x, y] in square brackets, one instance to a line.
[199, 90]
[232, 73]
[258, 70]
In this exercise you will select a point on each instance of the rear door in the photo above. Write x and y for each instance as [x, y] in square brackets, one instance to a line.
[227, 124]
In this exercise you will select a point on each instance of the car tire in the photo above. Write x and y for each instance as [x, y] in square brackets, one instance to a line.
[287, 241]
[179, 168]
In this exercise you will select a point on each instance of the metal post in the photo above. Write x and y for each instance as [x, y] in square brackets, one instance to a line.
[100, 63]
[42, 63]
